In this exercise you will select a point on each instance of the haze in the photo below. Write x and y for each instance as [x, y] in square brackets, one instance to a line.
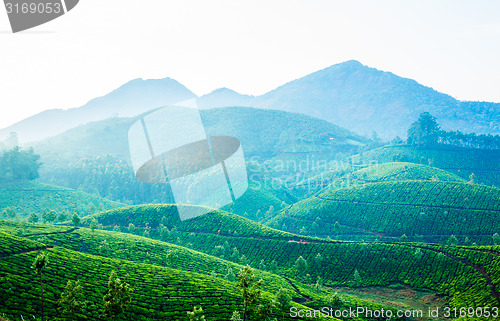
[249, 46]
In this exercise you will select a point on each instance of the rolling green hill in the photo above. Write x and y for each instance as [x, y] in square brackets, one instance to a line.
[32, 197]
[216, 222]
[394, 171]
[463, 162]
[338, 260]
[394, 208]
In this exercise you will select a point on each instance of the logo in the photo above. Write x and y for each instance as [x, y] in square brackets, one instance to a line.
[170, 146]
[26, 14]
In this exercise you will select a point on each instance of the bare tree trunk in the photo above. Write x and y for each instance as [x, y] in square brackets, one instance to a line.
[41, 287]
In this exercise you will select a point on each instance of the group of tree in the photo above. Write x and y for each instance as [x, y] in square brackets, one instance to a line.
[425, 132]
[106, 176]
[71, 303]
[16, 164]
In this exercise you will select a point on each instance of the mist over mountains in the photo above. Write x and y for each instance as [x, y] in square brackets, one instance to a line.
[349, 94]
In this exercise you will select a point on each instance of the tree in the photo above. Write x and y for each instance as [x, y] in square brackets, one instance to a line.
[424, 131]
[104, 248]
[403, 238]
[300, 265]
[49, 216]
[18, 164]
[71, 301]
[334, 301]
[117, 298]
[75, 219]
[94, 224]
[250, 289]
[62, 217]
[171, 257]
[357, 278]
[196, 314]
[336, 228]
[283, 297]
[270, 212]
[230, 276]
[32, 218]
[472, 177]
[452, 240]
[496, 239]
[236, 316]
[131, 228]
[39, 264]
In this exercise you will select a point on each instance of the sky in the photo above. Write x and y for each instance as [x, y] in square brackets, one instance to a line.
[249, 46]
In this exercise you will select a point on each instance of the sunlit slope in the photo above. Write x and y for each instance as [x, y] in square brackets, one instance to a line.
[29, 196]
[397, 208]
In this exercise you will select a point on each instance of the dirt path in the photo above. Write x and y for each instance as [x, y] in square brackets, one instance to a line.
[4, 255]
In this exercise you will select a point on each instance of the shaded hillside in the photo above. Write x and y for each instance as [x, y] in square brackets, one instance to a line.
[33, 197]
[261, 132]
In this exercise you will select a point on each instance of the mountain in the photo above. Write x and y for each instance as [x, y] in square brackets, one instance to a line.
[131, 99]
[349, 94]
[364, 99]
[261, 132]
[224, 97]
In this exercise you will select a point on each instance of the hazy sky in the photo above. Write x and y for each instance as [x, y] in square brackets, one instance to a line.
[249, 46]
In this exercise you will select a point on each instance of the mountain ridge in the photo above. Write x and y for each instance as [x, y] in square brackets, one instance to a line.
[352, 95]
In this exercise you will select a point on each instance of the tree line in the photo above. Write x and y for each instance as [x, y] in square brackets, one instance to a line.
[16, 164]
[426, 132]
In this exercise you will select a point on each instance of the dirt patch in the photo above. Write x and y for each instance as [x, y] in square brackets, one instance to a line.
[398, 296]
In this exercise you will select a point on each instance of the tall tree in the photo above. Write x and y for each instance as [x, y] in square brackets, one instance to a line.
[39, 264]
[117, 298]
[71, 301]
[75, 219]
[424, 131]
[250, 289]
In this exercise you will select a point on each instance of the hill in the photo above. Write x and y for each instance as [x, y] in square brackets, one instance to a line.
[95, 157]
[32, 197]
[394, 208]
[357, 97]
[225, 97]
[393, 171]
[159, 293]
[463, 162]
[363, 99]
[464, 276]
[217, 222]
[261, 132]
[131, 99]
